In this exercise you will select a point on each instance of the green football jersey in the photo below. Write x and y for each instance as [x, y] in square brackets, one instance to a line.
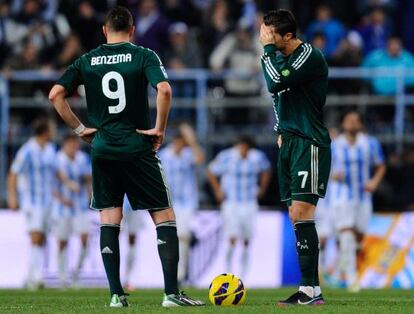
[298, 83]
[116, 78]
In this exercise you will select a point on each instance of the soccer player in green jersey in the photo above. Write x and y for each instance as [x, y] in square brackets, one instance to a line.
[124, 161]
[297, 76]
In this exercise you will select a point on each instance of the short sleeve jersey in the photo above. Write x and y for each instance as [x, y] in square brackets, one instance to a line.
[116, 78]
[76, 170]
[239, 177]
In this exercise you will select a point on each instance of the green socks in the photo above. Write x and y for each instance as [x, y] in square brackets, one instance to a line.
[167, 241]
[110, 256]
[307, 245]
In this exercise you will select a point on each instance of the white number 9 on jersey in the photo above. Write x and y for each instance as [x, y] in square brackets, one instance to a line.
[119, 93]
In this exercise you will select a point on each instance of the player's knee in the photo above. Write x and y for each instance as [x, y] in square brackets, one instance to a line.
[322, 243]
[37, 238]
[297, 214]
[62, 245]
[112, 216]
[163, 216]
[84, 240]
[131, 239]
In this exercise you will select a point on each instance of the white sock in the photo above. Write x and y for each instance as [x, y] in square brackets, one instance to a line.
[229, 257]
[317, 291]
[347, 249]
[130, 262]
[184, 249]
[36, 264]
[82, 255]
[61, 259]
[308, 290]
[32, 265]
[244, 261]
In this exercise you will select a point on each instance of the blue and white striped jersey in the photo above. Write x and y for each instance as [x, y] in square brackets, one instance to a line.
[180, 172]
[356, 163]
[36, 174]
[76, 170]
[239, 178]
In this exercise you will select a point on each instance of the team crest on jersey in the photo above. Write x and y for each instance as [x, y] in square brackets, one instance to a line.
[285, 72]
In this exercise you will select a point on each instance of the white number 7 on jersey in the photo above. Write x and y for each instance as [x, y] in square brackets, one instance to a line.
[119, 93]
[305, 176]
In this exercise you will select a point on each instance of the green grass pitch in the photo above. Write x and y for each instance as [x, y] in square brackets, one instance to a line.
[258, 301]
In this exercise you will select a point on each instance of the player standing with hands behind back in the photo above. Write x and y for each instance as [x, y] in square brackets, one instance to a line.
[116, 77]
[298, 80]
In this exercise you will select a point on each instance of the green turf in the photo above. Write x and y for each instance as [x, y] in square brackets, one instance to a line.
[148, 301]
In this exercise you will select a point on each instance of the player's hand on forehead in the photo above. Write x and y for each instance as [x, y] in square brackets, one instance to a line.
[266, 35]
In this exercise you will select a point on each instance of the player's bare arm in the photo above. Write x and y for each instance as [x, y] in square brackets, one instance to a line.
[372, 185]
[57, 97]
[12, 201]
[191, 139]
[215, 185]
[71, 185]
[164, 97]
[264, 181]
[61, 199]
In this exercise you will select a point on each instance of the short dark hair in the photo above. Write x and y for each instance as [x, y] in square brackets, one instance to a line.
[119, 19]
[41, 126]
[282, 20]
[350, 112]
[247, 140]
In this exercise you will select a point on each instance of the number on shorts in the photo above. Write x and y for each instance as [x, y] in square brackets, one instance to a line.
[305, 176]
[119, 93]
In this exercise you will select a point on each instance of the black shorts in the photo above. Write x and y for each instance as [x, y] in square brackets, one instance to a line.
[142, 180]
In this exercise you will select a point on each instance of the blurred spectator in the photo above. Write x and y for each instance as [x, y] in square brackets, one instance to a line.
[217, 26]
[319, 41]
[48, 8]
[375, 31]
[332, 29]
[151, 26]
[248, 12]
[183, 53]
[237, 51]
[29, 26]
[88, 25]
[181, 10]
[393, 57]
[28, 59]
[72, 49]
[406, 18]
[4, 11]
[349, 52]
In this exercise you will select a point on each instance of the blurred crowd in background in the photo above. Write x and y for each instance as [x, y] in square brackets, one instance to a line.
[223, 34]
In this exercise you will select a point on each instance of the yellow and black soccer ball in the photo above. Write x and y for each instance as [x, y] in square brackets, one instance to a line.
[226, 289]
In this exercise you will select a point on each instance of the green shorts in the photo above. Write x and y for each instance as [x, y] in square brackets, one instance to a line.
[142, 180]
[303, 170]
